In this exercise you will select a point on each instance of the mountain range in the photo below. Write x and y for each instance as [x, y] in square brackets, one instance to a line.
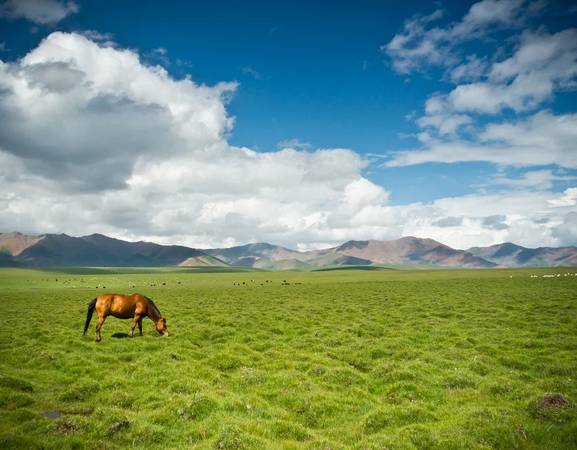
[17, 249]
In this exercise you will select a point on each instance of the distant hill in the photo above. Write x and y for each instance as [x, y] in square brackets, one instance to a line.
[513, 255]
[94, 250]
[99, 250]
[254, 255]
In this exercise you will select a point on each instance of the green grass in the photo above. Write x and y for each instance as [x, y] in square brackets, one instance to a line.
[396, 359]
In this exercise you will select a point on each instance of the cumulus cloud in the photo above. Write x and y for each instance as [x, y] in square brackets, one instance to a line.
[74, 110]
[43, 12]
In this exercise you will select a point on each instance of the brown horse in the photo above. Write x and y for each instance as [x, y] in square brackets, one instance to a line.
[134, 307]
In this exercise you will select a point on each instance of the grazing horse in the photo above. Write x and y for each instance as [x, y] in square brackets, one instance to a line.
[134, 307]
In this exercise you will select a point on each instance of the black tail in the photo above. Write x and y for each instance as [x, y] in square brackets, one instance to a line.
[91, 306]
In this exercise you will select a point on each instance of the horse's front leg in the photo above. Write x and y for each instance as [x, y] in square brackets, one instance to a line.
[135, 321]
[140, 325]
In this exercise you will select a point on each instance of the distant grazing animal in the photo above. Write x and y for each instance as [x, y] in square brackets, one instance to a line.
[134, 307]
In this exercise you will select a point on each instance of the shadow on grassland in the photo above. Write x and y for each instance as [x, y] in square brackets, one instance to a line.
[120, 335]
[369, 268]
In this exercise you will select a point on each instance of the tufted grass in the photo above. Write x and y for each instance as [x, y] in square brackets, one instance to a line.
[444, 359]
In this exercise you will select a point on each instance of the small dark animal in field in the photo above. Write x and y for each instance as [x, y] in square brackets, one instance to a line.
[134, 307]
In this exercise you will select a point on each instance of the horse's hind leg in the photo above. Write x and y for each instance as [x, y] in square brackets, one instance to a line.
[101, 320]
[137, 320]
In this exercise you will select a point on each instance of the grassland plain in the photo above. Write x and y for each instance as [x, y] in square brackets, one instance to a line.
[392, 359]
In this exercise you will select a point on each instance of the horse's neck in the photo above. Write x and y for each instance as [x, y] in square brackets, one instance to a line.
[153, 313]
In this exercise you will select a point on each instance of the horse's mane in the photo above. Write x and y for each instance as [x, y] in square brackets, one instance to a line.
[156, 310]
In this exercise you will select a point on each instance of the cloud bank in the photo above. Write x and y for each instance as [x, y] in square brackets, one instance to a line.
[94, 140]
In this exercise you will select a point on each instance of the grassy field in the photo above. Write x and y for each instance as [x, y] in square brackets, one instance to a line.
[391, 359]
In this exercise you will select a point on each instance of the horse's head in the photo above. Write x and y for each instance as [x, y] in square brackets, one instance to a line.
[161, 326]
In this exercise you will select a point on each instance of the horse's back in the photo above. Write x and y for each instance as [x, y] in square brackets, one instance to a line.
[122, 306]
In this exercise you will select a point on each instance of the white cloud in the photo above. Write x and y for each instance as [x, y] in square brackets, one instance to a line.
[74, 109]
[487, 13]
[420, 44]
[473, 69]
[43, 12]
[534, 179]
[444, 124]
[97, 36]
[541, 139]
[416, 46]
[523, 217]
[542, 64]
[569, 198]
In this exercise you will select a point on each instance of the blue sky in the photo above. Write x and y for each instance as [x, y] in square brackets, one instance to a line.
[313, 76]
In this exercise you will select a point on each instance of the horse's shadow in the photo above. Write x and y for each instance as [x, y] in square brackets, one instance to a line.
[120, 335]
